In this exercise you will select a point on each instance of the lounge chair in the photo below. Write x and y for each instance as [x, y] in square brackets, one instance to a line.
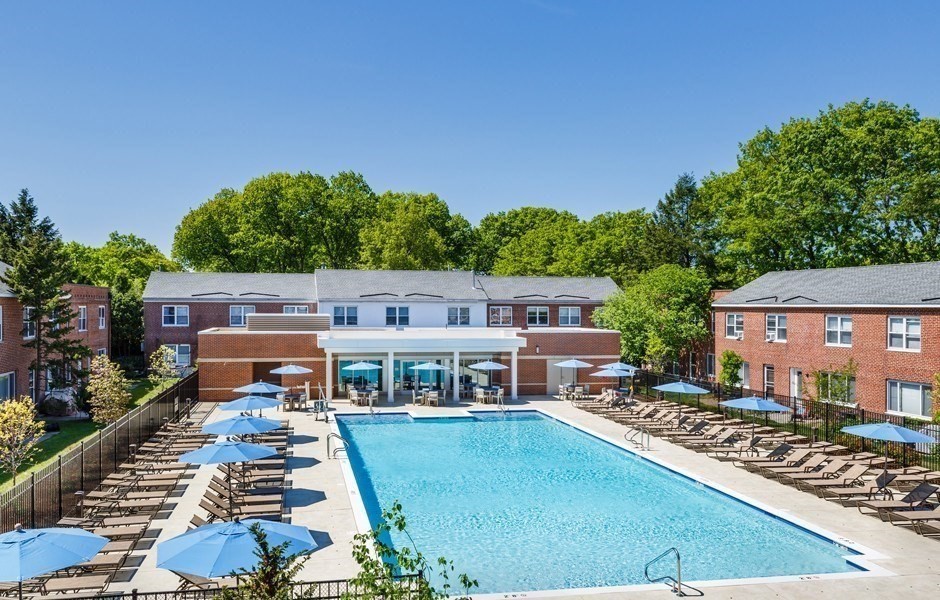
[776, 454]
[749, 446]
[849, 495]
[79, 583]
[787, 460]
[916, 499]
[851, 476]
[195, 582]
[813, 462]
[913, 518]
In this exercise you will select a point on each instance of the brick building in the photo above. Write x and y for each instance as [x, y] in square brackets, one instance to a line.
[395, 319]
[794, 327]
[92, 306]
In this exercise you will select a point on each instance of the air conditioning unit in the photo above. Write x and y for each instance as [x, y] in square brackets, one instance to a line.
[739, 337]
[771, 338]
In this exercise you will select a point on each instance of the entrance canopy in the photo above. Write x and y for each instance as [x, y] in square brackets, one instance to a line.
[414, 340]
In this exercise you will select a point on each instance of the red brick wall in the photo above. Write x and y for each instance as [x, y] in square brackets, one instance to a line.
[202, 315]
[805, 348]
[519, 313]
[594, 347]
[16, 358]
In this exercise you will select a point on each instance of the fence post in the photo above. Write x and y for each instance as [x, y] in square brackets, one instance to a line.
[32, 500]
[134, 594]
[81, 464]
[59, 476]
[826, 431]
[100, 455]
[864, 440]
[114, 437]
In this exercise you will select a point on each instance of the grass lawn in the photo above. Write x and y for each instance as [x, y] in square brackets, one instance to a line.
[73, 432]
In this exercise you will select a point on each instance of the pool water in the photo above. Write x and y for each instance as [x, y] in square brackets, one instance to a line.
[523, 502]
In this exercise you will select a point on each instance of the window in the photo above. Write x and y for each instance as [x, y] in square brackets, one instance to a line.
[836, 387]
[776, 328]
[500, 315]
[909, 398]
[734, 326]
[710, 365]
[29, 324]
[296, 310]
[904, 333]
[569, 315]
[693, 365]
[176, 316]
[181, 354]
[711, 325]
[345, 316]
[838, 330]
[83, 318]
[396, 315]
[31, 382]
[458, 315]
[102, 351]
[102, 317]
[238, 314]
[537, 316]
[7, 385]
[745, 375]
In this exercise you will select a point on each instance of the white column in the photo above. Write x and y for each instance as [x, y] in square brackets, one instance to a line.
[329, 375]
[456, 376]
[514, 389]
[390, 377]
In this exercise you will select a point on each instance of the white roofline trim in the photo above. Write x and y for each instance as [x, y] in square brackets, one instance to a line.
[828, 305]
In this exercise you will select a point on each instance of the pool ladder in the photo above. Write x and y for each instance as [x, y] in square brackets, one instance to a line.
[639, 436]
[341, 446]
[673, 582]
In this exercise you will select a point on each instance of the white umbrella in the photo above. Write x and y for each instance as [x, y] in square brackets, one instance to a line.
[361, 366]
[291, 370]
[573, 364]
[488, 366]
[620, 367]
[427, 366]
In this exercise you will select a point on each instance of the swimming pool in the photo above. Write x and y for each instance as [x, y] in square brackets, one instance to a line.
[524, 502]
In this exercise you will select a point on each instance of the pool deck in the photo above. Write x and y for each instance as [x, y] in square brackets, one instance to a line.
[318, 499]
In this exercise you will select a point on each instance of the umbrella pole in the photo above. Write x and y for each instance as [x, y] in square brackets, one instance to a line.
[231, 500]
[20, 586]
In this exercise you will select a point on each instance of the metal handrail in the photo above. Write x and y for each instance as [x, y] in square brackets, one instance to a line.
[344, 447]
[674, 582]
[645, 437]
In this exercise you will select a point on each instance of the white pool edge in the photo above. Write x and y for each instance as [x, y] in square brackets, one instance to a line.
[862, 560]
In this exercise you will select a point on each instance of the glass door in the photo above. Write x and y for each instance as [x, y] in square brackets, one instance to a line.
[370, 379]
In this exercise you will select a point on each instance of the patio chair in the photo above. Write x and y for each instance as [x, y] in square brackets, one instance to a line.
[776, 454]
[195, 582]
[851, 476]
[433, 399]
[830, 469]
[809, 465]
[353, 397]
[916, 499]
[787, 460]
[479, 395]
[914, 518]
[78, 583]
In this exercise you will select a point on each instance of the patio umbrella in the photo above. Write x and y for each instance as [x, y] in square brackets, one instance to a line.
[250, 403]
[680, 387]
[260, 387]
[27, 553]
[888, 432]
[574, 364]
[291, 370]
[619, 366]
[426, 366]
[241, 425]
[226, 452]
[618, 373]
[218, 549]
[361, 366]
[755, 403]
[488, 366]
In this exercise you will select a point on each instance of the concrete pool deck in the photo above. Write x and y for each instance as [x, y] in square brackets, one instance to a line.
[318, 499]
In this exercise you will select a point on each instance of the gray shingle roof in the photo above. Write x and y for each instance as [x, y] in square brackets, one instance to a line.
[915, 284]
[457, 285]
[231, 286]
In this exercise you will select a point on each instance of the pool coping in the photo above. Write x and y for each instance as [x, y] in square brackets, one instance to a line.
[862, 559]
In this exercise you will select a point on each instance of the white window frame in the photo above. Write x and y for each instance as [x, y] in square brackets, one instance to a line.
[345, 316]
[772, 332]
[238, 314]
[175, 316]
[926, 400]
[102, 316]
[401, 314]
[83, 318]
[503, 316]
[852, 400]
[460, 316]
[710, 365]
[11, 385]
[744, 373]
[572, 311]
[906, 337]
[839, 330]
[693, 365]
[28, 324]
[734, 325]
[176, 352]
[296, 309]
[31, 382]
[102, 351]
[712, 323]
[538, 314]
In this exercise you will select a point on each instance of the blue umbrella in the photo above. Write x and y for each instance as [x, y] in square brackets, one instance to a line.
[26, 553]
[241, 425]
[225, 452]
[755, 403]
[219, 549]
[680, 387]
[888, 432]
[619, 366]
[260, 387]
[250, 403]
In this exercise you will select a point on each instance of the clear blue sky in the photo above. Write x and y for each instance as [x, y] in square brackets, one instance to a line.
[123, 115]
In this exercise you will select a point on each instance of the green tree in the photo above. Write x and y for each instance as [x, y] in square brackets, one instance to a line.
[498, 229]
[274, 575]
[38, 273]
[682, 227]
[664, 312]
[162, 367]
[858, 184]
[534, 249]
[108, 388]
[411, 231]
[612, 244]
[730, 374]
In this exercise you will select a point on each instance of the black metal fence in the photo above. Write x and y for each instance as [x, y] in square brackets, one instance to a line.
[814, 419]
[48, 494]
[411, 586]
